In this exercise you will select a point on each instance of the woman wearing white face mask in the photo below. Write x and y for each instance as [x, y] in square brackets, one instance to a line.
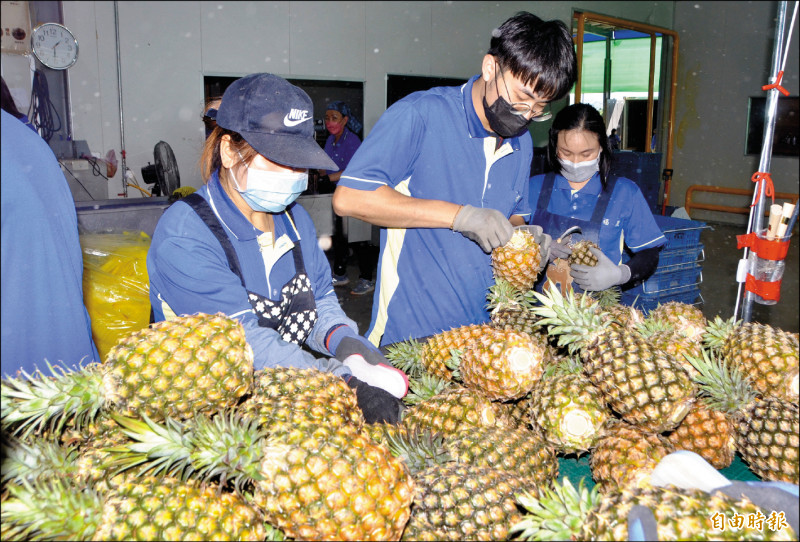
[610, 210]
[241, 246]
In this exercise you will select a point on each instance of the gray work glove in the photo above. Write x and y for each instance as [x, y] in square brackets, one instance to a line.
[542, 239]
[560, 250]
[602, 276]
[487, 227]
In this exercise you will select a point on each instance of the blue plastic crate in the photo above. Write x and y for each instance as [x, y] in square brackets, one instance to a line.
[685, 258]
[646, 302]
[680, 233]
[662, 281]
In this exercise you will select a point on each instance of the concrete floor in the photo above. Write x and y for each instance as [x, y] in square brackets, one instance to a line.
[718, 288]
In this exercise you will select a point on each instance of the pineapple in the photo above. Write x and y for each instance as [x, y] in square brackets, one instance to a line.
[687, 319]
[312, 482]
[453, 409]
[625, 457]
[502, 364]
[664, 337]
[285, 397]
[766, 431]
[567, 513]
[568, 408]
[708, 433]
[144, 509]
[518, 261]
[582, 255]
[434, 355]
[463, 502]
[767, 356]
[520, 452]
[645, 386]
[178, 368]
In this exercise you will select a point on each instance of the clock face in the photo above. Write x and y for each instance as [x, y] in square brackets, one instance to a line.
[54, 46]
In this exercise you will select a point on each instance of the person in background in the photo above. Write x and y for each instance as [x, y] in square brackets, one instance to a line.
[614, 140]
[341, 145]
[610, 210]
[210, 114]
[446, 172]
[241, 246]
[44, 318]
[10, 106]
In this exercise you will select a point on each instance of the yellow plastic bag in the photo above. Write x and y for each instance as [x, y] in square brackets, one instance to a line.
[116, 289]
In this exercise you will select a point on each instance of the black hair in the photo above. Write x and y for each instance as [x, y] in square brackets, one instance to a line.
[539, 53]
[580, 116]
[7, 101]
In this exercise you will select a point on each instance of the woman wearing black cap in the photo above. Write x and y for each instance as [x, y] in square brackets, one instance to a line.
[241, 246]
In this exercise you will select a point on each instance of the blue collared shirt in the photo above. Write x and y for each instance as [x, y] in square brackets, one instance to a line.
[189, 273]
[342, 151]
[432, 145]
[628, 219]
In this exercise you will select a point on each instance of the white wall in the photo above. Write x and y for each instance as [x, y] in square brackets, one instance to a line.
[725, 57]
[167, 48]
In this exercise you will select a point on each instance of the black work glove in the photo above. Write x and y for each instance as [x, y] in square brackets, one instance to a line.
[487, 227]
[376, 404]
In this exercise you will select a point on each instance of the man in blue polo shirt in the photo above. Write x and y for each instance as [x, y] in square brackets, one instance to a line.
[446, 172]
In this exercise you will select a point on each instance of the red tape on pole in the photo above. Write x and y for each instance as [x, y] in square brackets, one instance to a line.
[770, 291]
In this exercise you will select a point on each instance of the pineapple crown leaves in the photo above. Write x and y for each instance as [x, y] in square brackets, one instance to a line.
[558, 513]
[650, 327]
[37, 458]
[51, 509]
[424, 387]
[576, 323]
[38, 403]
[227, 445]
[405, 356]
[608, 297]
[725, 388]
[419, 449]
[718, 331]
[503, 295]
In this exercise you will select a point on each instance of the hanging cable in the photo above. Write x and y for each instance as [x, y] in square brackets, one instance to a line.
[42, 113]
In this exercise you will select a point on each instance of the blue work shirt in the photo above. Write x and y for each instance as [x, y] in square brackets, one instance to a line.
[189, 273]
[342, 151]
[627, 221]
[432, 145]
[43, 314]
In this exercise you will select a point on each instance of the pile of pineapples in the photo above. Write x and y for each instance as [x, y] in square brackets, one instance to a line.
[175, 437]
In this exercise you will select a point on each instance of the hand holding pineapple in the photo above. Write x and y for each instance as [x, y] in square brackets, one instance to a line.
[602, 275]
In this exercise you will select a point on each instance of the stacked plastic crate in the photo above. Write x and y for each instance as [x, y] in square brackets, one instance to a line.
[680, 267]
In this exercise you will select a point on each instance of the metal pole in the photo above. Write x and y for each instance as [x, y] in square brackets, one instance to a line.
[757, 212]
[121, 115]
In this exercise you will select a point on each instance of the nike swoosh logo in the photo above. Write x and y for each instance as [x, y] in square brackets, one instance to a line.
[288, 122]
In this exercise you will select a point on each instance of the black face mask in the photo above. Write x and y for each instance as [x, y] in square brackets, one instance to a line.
[502, 118]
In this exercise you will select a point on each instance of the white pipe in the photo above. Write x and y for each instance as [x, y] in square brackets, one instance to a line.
[124, 168]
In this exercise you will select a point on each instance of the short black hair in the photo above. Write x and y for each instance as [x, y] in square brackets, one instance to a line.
[580, 116]
[539, 53]
[7, 101]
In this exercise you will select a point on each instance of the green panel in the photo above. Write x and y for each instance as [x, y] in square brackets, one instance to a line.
[576, 468]
[630, 65]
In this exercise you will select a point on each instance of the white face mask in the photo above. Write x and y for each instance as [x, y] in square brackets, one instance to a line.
[271, 191]
[580, 171]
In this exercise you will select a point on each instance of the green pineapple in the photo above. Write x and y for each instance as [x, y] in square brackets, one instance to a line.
[645, 386]
[569, 513]
[766, 355]
[766, 431]
[177, 368]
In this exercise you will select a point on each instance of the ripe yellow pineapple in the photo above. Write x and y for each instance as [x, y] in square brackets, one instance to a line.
[669, 339]
[766, 355]
[581, 253]
[144, 509]
[435, 354]
[451, 410]
[766, 431]
[708, 433]
[177, 368]
[683, 317]
[312, 482]
[646, 386]
[625, 457]
[518, 261]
